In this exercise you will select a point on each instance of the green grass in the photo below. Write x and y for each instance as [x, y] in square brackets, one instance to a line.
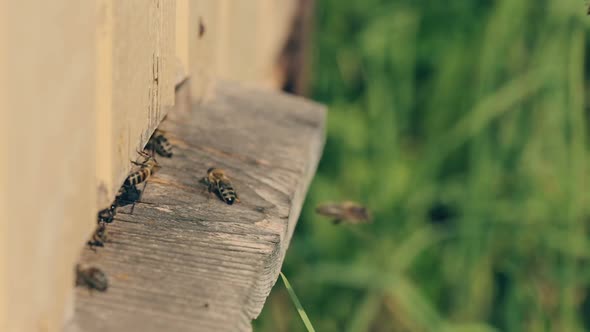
[463, 125]
[297, 304]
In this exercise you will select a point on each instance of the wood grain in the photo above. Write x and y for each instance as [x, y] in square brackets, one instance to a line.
[186, 261]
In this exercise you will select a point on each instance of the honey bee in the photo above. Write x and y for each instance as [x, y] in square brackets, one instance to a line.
[218, 182]
[147, 168]
[99, 237]
[107, 215]
[127, 195]
[159, 143]
[348, 211]
[91, 278]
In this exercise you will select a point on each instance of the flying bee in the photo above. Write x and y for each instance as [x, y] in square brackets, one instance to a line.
[91, 278]
[159, 143]
[219, 183]
[348, 211]
[99, 237]
[107, 215]
[147, 168]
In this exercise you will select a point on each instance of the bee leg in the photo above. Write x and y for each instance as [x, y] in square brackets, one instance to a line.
[151, 155]
[150, 148]
[210, 187]
[93, 245]
[204, 181]
[139, 198]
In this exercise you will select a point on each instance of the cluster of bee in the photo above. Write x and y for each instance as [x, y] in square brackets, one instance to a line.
[92, 277]
[128, 193]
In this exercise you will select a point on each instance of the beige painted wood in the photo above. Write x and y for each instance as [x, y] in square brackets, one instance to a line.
[255, 50]
[242, 40]
[47, 157]
[137, 69]
[186, 261]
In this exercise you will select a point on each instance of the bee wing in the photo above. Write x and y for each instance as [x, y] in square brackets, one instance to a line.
[330, 210]
[361, 214]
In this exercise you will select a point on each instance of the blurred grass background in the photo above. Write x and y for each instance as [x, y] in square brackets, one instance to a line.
[462, 124]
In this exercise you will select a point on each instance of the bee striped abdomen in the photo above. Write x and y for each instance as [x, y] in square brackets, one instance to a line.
[227, 192]
[219, 183]
[159, 143]
[163, 147]
[138, 177]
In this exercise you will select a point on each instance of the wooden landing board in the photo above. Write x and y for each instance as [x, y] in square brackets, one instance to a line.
[186, 261]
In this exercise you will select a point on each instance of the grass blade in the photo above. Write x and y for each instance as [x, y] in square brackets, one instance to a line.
[297, 304]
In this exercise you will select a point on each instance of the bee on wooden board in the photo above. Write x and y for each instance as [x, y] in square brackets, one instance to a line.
[91, 278]
[107, 215]
[218, 183]
[147, 168]
[159, 144]
[99, 237]
[127, 195]
[347, 211]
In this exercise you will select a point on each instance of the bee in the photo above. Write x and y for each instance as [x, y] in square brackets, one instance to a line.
[127, 195]
[99, 237]
[218, 182]
[91, 278]
[159, 143]
[348, 211]
[147, 168]
[107, 215]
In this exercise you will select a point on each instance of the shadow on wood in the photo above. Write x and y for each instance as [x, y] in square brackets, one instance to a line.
[185, 260]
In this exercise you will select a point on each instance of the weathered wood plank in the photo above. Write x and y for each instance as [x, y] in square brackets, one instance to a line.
[186, 261]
